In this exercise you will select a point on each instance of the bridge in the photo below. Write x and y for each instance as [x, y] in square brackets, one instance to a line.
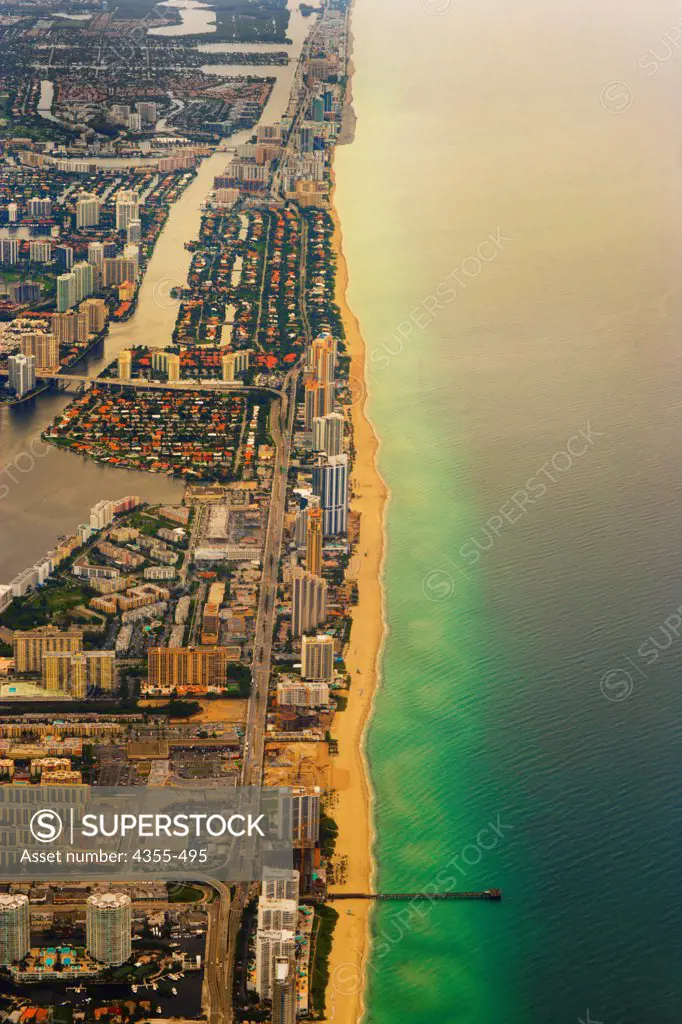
[142, 384]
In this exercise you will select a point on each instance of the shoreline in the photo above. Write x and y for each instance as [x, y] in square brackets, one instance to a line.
[350, 775]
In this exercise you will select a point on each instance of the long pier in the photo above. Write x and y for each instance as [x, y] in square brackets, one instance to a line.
[485, 894]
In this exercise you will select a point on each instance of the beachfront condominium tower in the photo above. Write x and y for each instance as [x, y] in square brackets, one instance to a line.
[272, 944]
[328, 433]
[309, 602]
[319, 400]
[280, 884]
[313, 549]
[330, 483]
[284, 992]
[317, 658]
[322, 358]
[108, 927]
[15, 929]
[22, 373]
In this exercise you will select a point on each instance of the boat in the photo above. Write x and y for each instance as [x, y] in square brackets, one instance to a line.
[174, 991]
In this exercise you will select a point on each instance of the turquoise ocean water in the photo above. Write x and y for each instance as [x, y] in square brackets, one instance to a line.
[526, 157]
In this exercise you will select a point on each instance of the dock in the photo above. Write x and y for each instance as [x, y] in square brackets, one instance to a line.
[485, 894]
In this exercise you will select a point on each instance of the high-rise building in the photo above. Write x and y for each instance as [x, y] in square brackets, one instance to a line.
[22, 373]
[134, 232]
[272, 944]
[63, 257]
[108, 927]
[296, 693]
[117, 270]
[88, 209]
[127, 208]
[280, 884]
[313, 553]
[322, 358]
[9, 250]
[39, 252]
[184, 666]
[305, 812]
[309, 602]
[96, 312]
[96, 254]
[40, 208]
[319, 400]
[71, 326]
[328, 433]
[284, 992]
[31, 644]
[173, 366]
[84, 274]
[101, 514]
[147, 112]
[317, 658]
[330, 483]
[44, 347]
[15, 927]
[228, 363]
[13, 213]
[125, 364]
[134, 122]
[77, 674]
[66, 292]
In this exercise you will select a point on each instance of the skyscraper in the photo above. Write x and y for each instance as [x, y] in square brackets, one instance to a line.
[313, 554]
[173, 366]
[322, 358]
[15, 927]
[127, 208]
[66, 292]
[88, 209]
[125, 364]
[31, 644]
[39, 207]
[84, 274]
[22, 373]
[9, 250]
[328, 433]
[39, 252]
[330, 483]
[43, 346]
[272, 944]
[134, 232]
[309, 602]
[63, 256]
[317, 658]
[109, 927]
[284, 992]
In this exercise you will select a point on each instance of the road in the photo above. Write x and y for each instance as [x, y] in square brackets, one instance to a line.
[142, 384]
[217, 991]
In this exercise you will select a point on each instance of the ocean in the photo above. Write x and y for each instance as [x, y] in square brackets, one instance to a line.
[512, 215]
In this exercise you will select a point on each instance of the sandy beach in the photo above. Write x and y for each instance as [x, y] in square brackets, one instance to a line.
[349, 773]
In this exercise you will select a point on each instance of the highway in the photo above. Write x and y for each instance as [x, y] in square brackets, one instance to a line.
[142, 384]
[217, 991]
